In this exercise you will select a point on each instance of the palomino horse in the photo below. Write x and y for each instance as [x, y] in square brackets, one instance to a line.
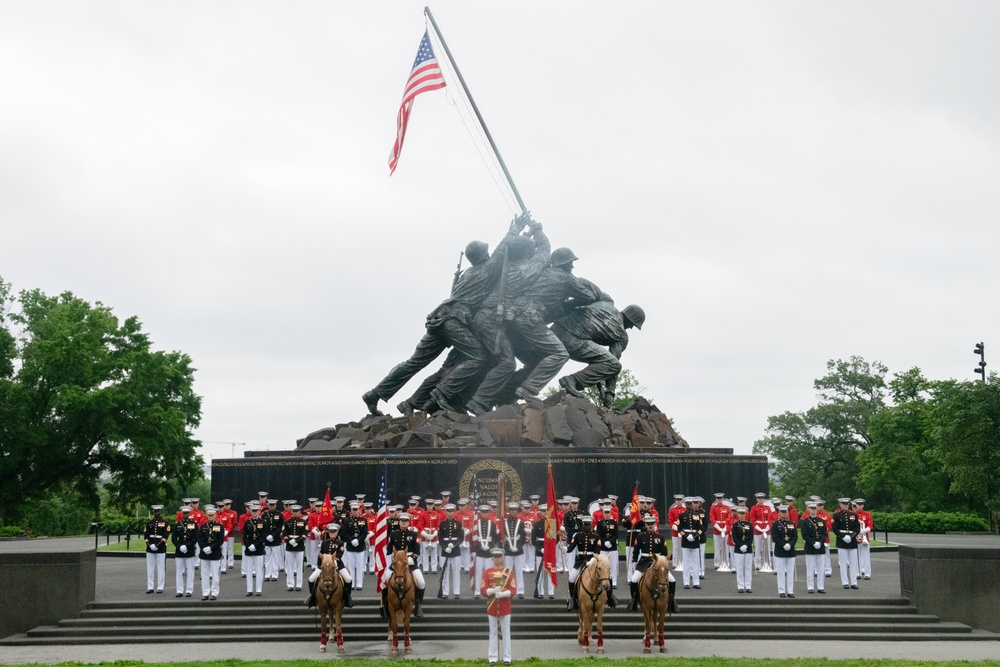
[330, 601]
[592, 589]
[654, 599]
[400, 596]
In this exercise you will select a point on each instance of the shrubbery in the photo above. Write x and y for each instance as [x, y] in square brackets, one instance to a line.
[11, 531]
[928, 522]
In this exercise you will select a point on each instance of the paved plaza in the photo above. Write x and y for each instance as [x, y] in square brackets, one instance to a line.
[120, 579]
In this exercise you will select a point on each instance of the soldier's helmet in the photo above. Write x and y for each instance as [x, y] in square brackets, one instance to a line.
[562, 256]
[635, 315]
[521, 247]
[477, 252]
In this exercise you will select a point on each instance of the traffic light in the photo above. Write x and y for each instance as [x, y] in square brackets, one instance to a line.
[981, 351]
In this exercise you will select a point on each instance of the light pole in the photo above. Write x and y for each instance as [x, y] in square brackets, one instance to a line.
[981, 351]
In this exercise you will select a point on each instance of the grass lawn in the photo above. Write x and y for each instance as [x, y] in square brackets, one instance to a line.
[571, 662]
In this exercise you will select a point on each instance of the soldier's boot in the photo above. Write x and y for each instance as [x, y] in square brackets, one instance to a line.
[441, 400]
[371, 400]
[476, 408]
[568, 383]
[348, 602]
[310, 600]
[612, 600]
[383, 610]
[674, 609]
[418, 604]
[634, 590]
[406, 408]
[571, 604]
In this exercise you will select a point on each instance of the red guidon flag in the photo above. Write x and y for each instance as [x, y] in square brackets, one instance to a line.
[327, 510]
[633, 510]
[424, 77]
[551, 530]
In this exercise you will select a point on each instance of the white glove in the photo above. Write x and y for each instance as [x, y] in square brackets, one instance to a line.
[788, 547]
[184, 549]
[409, 561]
[817, 545]
[269, 538]
[865, 531]
[316, 532]
[607, 544]
[743, 548]
[847, 539]
[491, 591]
[690, 538]
[207, 550]
[355, 542]
[503, 594]
[467, 532]
[252, 548]
[448, 549]
[153, 547]
[294, 542]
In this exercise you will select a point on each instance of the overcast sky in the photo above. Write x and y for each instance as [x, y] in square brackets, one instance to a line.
[776, 184]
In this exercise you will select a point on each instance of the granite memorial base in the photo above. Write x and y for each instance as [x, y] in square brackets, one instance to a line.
[957, 584]
[42, 587]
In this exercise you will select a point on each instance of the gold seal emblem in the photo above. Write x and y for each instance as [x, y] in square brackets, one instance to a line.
[486, 473]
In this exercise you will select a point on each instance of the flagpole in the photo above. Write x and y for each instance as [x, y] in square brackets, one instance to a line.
[475, 108]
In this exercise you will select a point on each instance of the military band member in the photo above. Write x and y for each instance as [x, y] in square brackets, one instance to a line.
[513, 545]
[760, 516]
[542, 576]
[185, 538]
[673, 513]
[648, 545]
[295, 536]
[690, 527]
[821, 512]
[227, 517]
[354, 531]
[784, 535]
[254, 532]
[272, 540]
[451, 536]
[562, 562]
[867, 523]
[317, 524]
[743, 545]
[814, 535]
[485, 537]
[211, 538]
[847, 528]
[699, 507]
[718, 517]
[531, 515]
[405, 539]
[199, 517]
[155, 534]
[497, 585]
[242, 519]
[467, 516]
[607, 533]
[332, 545]
[372, 518]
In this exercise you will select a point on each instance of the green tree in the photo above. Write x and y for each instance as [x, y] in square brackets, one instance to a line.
[900, 469]
[965, 418]
[626, 391]
[83, 394]
[815, 452]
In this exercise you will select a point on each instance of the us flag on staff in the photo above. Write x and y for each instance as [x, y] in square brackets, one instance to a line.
[381, 534]
[475, 531]
[424, 77]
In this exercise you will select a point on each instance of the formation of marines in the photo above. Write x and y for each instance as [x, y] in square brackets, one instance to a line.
[458, 538]
[499, 312]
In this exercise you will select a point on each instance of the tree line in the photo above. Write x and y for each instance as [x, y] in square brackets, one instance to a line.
[88, 409]
[902, 441]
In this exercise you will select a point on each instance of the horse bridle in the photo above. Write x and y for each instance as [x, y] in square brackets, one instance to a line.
[600, 589]
[660, 587]
[399, 585]
[333, 585]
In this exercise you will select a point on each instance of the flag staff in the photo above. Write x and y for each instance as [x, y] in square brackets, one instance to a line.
[475, 108]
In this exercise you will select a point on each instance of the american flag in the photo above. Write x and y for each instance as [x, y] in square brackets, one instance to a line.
[425, 76]
[381, 534]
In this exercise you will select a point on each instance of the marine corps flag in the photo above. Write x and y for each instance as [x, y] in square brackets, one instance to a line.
[327, 510]
[633, 510]
[551, 531]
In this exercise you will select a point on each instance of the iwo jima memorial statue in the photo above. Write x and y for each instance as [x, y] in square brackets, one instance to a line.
[513, 320]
